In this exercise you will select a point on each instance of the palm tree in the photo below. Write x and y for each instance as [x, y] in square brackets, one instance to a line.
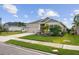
[76, 22]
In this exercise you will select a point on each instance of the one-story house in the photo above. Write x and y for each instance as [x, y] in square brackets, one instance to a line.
[10, 26]
[35, 26]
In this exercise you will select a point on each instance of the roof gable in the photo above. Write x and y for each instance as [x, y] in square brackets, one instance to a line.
[47, 19]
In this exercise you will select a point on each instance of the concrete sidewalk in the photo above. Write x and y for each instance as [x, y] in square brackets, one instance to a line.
[56, 45]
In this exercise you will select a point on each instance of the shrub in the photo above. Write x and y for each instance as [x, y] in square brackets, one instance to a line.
[55, 30]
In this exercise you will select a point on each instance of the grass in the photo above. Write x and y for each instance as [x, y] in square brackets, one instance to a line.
[66, 39]
[43, 48]
[9, 33]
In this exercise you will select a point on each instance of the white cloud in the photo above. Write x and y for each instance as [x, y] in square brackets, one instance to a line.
[52, 13]
[71, 19]
[67, 22]
[47, 13]
[16, 16]
[65, 19]
[74, 12]
[41, 12]
[11, 9]
[26, 16]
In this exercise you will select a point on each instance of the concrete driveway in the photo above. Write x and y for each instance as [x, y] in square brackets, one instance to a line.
[6, 38]
[6, 49]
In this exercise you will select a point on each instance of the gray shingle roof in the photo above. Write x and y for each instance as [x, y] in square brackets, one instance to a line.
[48, 20]
[43, 20]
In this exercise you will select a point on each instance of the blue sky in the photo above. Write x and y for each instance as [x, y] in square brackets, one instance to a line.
[32, 12]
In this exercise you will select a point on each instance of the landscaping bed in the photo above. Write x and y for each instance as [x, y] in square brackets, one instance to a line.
[43, 48]
[66, 39]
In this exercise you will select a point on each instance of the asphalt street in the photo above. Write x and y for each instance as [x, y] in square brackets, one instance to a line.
[6, 49]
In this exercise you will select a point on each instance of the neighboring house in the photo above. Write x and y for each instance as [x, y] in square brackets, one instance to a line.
[12, 27]
[78, 30]
[76, 24]
[15, 28]
[75, 29]
[35, 27]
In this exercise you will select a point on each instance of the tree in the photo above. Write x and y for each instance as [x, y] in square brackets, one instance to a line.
[76, 23]
[0, 28]
[20, 24]
[76, 20]
[15, 24]
[68, 30]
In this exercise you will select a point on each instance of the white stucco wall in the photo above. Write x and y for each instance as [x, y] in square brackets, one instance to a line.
[34, 28]
[15, 28]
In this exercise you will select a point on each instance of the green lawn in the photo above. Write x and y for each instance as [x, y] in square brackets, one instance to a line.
[9, 33]
[66, 39]
[43, 48]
